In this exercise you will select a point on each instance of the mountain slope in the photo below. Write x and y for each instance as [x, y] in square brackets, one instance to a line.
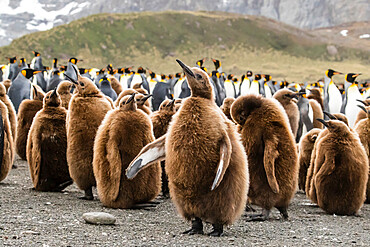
[19, 17]
[155, 39]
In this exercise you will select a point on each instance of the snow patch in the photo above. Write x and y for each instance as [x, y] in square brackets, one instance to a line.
[42, 19]
[2, 33]
[344, 33]
[364, 36]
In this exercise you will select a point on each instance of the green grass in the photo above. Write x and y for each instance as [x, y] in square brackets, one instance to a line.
[155, 40]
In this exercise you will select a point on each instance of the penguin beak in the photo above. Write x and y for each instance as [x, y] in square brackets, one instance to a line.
[131, 98]
[172, 102]
[337, 73]
[145, 98]
[54, 93]
[185, 68]
[71, 79]
[323, 122]
[36, 72]
[363, 108]
[329, 116]
[361, 101]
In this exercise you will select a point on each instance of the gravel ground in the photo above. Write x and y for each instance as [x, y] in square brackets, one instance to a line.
[30, 218]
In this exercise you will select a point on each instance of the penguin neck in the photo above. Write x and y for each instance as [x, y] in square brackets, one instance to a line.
[327, 80]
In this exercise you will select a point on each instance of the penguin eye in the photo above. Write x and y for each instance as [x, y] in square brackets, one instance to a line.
[199, 76]
[82, 84]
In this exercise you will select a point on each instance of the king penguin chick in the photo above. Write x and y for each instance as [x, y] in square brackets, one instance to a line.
[309, 189]
[27, 110]
[271, 151]
[117, 87]
[6, 143]
[64, 91]
[161, 120]
[363, 130]
[12, 116]
[121, 136]
[125, 92]
[87, 109]
[341, 170]
[362, 114]
[226, 106]
[47, 146]
[139, 89]
[316, 95]
[143, 103]
[305, 150]
[205, 161]
[287, 99]
[7, 83]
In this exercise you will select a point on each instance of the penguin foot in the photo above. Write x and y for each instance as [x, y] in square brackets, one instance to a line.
[196, 227]
[64, 185]
[283, 211]
[249, 208]
[218, 230]
[88, 195]
[259, 217]
[14, 166]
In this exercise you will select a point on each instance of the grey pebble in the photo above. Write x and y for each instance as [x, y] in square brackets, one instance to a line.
[99, 218]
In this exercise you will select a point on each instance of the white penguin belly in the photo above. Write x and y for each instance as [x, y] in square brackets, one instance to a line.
[335, 99]
[229, 89]
[254, 89]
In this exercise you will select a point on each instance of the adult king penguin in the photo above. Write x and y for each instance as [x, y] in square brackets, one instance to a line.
[352, 95]
[205, 161]
[332, 95]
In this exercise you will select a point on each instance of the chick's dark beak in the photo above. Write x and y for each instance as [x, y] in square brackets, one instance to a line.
[330, 116]
[322, 121]
[131, 98]
[185, 68]
[54, 93]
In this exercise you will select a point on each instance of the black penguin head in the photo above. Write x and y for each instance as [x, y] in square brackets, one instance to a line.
[217, 63]
[329, 73]
[22, 60]
[244, 106]
[351, 77]
[55, 62]
[52, 98]
[74, 60]
[267, 77]
[257, 77]
[12, 59]
[28, 73]
[128, 103]
[230, 76]
[249, 73]
[82, 71]
[152, 74]
[37, 54]
[178, 75]
[200, 62]
[128, 70]
[198, 81]
[140, 70]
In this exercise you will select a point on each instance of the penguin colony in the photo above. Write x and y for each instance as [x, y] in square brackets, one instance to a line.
[212, 142]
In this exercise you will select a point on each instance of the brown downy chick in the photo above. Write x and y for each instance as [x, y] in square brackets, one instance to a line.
[305, 150]
[121, 136]
[363, 130]
[116, 86]
[309, 189]
[161, 120]
[205, 161]
[47, 146]
[87, 109]
[226, 106]
[178, 103]
[139, 89]
[316, 95]
[64, 91]
[12, 115]
[271, 151]
[288, 99]
[6, 142]
[362, 114]
[341, 170]
[26, 112]
[7, 83]
[143, 102]
[128, 91]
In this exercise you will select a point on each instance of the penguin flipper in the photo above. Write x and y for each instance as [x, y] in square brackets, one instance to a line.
[34, 156]
[151, 153]
[115, 168]
[270, 155]
[225, 155]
